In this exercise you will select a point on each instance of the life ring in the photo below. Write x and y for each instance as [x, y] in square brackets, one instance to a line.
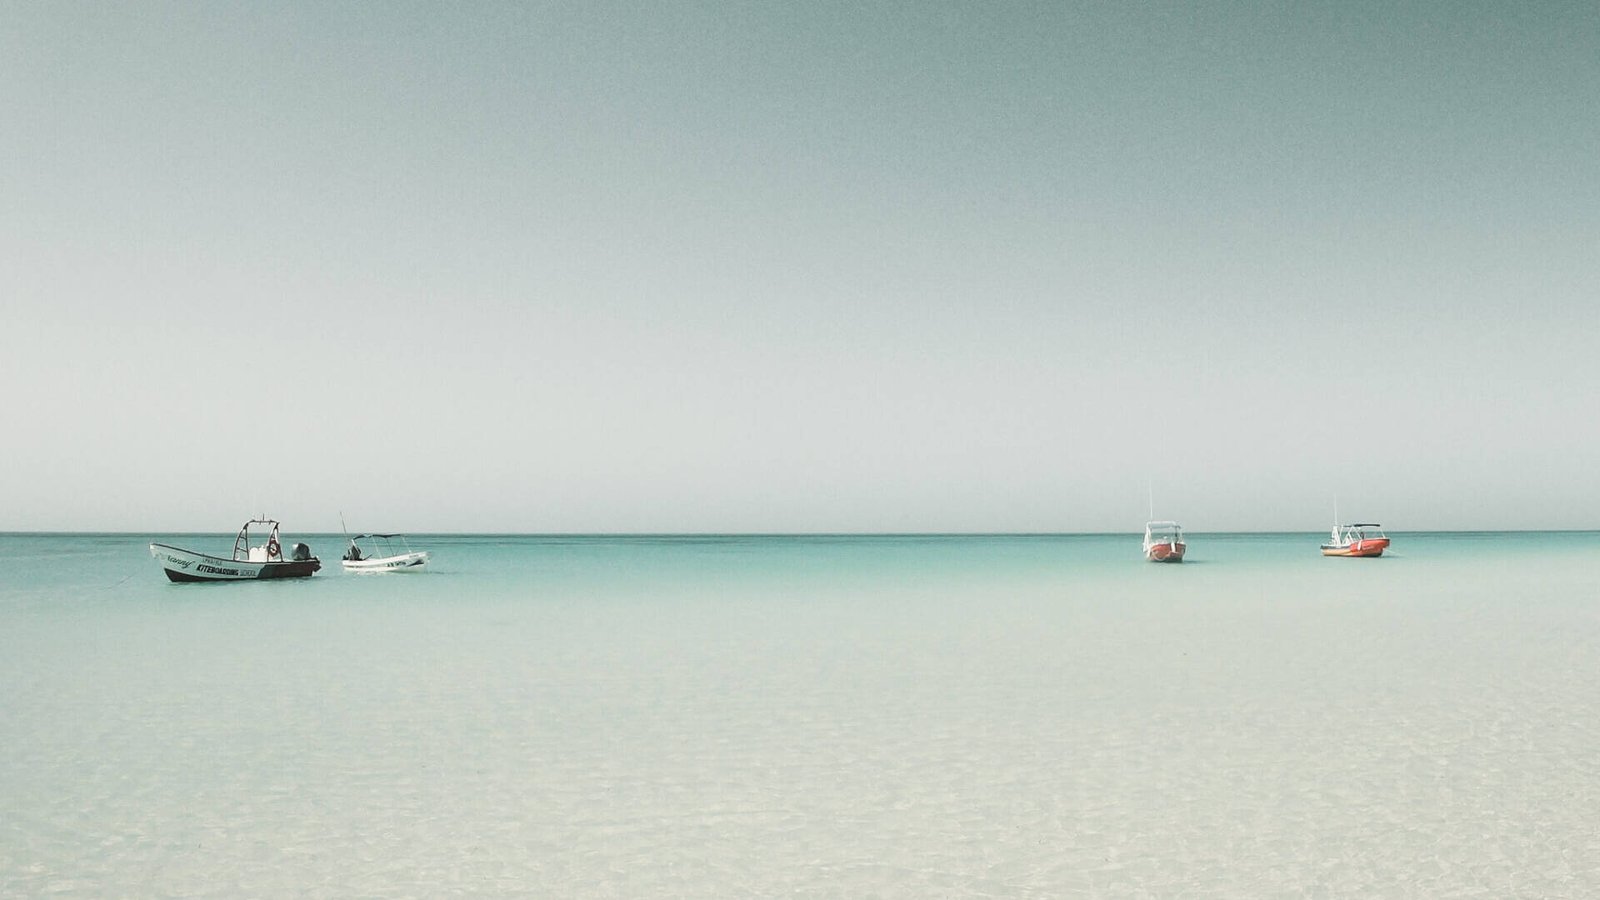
[273, 549]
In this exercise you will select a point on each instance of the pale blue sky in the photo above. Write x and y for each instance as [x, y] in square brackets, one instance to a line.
[799, 267]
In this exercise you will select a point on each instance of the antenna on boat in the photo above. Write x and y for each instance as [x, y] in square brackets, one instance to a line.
[343, 529]
[1151, 488]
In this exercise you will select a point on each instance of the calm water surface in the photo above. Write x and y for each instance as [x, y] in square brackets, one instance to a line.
[816, 716]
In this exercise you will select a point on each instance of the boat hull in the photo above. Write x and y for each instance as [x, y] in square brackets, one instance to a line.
[405, 562]
[1366, 548]
[187, 566]
[1167, 552]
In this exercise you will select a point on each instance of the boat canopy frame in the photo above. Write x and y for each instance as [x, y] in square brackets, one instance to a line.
[274, 546]
[374, 540]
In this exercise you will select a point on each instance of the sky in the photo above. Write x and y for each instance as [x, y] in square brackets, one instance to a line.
[808, 267]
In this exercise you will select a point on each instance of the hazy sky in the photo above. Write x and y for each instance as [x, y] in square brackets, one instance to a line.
[799, 266]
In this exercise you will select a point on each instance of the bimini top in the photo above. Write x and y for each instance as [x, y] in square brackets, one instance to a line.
[1362, 525]
[384, 536]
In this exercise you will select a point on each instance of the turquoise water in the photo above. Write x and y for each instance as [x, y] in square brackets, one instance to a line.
[823, 716]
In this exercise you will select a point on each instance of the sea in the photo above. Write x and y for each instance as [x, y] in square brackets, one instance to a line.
[806, 716]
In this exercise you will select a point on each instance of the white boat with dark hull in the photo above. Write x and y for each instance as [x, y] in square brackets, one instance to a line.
[248, 563]
[381, 555]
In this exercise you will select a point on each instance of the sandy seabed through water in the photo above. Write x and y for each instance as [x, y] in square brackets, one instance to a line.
[1195, 732]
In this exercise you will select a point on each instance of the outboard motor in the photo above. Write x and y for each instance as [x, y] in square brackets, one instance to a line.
[301, 553]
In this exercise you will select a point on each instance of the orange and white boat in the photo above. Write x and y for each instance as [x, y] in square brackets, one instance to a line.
[1358, 539]
[1163, 542]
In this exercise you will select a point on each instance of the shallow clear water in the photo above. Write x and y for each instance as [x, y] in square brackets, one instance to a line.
[821, 716]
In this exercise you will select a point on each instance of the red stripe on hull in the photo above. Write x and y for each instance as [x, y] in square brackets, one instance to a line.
[1361, 548]
[1172, 553]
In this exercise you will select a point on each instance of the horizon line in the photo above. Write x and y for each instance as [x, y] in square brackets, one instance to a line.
[797, 534]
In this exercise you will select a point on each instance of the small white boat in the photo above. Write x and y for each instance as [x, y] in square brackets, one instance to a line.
[248, 563]
[1163, 539]
[1163, 542]
[381, 555]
